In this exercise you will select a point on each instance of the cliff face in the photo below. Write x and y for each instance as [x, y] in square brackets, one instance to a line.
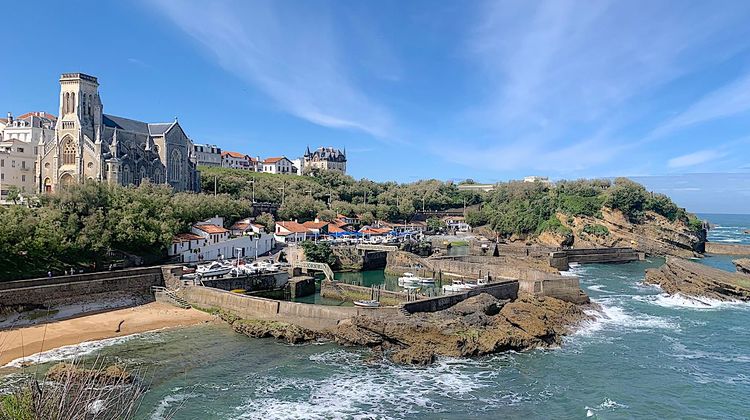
[689, 278]
[655, 236]
[742, 265]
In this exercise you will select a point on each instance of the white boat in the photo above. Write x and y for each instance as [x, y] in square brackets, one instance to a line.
[483, 282]
[367, 303]
[426, 280]
[411, 286]
[408, 278]
[457, 286]
[214, 269]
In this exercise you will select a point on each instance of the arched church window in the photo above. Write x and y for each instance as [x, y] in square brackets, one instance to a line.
[69, 152]
[175, 166]
[66, 103]
[72, 102]
[90, 113]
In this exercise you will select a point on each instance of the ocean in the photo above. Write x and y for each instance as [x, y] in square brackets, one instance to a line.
[646, 356]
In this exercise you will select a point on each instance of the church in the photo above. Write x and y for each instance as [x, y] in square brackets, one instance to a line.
[90, 145]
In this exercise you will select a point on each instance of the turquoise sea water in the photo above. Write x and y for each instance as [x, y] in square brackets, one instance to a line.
[646, 356]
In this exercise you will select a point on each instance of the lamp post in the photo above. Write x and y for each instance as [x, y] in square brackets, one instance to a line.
[253, 182]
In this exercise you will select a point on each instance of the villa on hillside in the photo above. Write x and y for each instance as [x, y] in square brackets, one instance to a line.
[209, 240]
[238, 160]
[456, 223]
[278, 165]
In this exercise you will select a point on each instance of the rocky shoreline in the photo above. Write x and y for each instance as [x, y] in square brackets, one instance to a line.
[692, 279]
[742, 265]
[478, 326]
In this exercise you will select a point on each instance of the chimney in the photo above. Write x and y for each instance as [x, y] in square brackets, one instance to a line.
[10, 117]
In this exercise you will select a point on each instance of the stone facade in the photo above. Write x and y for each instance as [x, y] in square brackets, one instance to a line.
[91, 145]
[207, 154]
[326, 159]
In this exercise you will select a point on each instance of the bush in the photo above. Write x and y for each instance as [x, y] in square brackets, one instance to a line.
[319, 252]
[554, 225]
[596, 230]
[629, 197]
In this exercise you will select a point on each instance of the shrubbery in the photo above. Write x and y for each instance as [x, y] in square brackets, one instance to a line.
[596, 230]
[319, 252]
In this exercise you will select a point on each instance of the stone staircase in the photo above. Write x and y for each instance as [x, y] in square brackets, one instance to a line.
[162, 294]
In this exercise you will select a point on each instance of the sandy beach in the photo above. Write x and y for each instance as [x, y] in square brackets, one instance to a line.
[26, 341]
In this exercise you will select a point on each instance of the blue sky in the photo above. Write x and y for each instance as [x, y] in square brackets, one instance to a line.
[451, 90]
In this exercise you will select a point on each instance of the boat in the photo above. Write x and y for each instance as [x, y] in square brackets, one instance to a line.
[457, 286]
[483, 281]
[426, 280]
[408, 278]
[411, 286]
[367, 303]
[214, 269]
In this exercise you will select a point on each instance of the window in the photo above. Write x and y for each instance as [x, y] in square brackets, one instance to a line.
[46, 165]
[12, 163]
[73, 102]
[20, 149]
[69, 152]
[23, 164]
[2, 163]
[90, 165]
[23, 178]
[175, 166]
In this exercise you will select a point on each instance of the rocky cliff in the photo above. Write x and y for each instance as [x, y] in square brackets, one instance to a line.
[689, 278]
[742, 265]
[657, 235]
[477, 326]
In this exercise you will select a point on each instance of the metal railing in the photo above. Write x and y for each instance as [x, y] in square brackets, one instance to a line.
[309, 265]
[373, 247]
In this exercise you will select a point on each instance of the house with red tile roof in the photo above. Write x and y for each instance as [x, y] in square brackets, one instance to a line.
[278, 165]
[237, 160]
[290, 232]
[210, 240]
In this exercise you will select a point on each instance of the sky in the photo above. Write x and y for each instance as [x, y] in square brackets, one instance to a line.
[496, 90]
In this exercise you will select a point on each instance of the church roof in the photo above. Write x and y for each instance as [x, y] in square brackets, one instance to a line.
[126, 124]
[159, 129]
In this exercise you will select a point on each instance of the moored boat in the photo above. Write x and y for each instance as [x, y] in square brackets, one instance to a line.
[367, 303]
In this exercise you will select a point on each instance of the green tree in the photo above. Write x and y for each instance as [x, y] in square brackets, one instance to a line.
[319, 252]
[266, 219]
[14, 194]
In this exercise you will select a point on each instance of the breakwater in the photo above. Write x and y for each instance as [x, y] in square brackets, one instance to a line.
[46, 291]
[350, 292]
[505, 290]
[314, 317]
[561, 259]
[727, 249]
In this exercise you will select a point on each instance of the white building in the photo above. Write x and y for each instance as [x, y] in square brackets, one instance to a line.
[290, 232]
[456, 223]
[209, 240]
[207, 154]
[542, 179]
[325, 159]
[19, 142]
[236, 160]
[278, 165]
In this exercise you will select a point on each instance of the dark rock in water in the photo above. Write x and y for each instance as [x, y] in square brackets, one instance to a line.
[70, 373]
[742, 265]
[293, 334]
[747, 231]
[689, 278]
[479, 325]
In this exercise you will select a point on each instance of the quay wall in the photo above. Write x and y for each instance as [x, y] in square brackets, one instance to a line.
[44, 291]
[505, 290]
[255, 282]
[727, 249]
[351, 292]
[315, 317]
[561, 259]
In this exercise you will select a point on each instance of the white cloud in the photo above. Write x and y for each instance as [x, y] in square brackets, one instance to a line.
[695, 158]
[288, 53]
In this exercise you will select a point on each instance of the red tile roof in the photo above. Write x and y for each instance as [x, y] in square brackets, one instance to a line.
[314, 225]
[185, 237]
[211, 228]
[240, 226]
[273, 159]
[235, 155]
[38, 114]
[293, 227]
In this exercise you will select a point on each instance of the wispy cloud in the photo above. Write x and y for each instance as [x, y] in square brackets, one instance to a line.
[695, 158]
[292, 55]
[729, 100]
[556, 74]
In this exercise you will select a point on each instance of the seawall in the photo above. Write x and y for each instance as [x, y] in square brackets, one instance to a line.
[727, 249]
[45, 291]
[506, 290]
[315, 317]
[350, 292]
[561, 259]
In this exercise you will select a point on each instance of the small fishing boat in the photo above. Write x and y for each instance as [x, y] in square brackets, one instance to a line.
[214, 269]
[457, 286]
[410, 286]
[426, 280]
[367, 303]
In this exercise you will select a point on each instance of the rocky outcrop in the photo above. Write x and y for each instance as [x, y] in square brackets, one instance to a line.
[477, 326]
[742, 265]
[292, 334]
[71, 373]
[689, 278]
[657, 235]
